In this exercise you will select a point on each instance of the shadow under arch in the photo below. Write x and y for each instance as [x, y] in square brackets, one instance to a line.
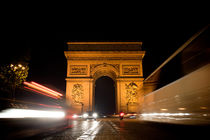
[105, 96]
[105, 70]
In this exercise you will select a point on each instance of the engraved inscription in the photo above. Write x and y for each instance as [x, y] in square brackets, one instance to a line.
[78, 70]
[131, 69]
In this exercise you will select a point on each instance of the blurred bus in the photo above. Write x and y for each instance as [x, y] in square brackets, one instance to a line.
[179, 89]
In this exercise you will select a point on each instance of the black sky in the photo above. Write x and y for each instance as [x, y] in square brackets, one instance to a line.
[47, 63]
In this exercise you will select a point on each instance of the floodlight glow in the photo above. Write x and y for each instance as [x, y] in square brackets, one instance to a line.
[182, 108]
[26, 113]
[164, 109]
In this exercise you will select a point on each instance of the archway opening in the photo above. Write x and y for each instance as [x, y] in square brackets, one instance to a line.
[105, 99]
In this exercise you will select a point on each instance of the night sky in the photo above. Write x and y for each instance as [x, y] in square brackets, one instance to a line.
[47, 63]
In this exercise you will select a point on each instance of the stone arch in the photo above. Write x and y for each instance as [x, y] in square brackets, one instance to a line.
[104, 70]
[88, 61]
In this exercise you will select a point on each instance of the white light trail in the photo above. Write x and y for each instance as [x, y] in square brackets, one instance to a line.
[26, 113]
[165, 114]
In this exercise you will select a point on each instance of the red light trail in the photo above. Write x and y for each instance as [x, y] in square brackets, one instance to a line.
[42, 90]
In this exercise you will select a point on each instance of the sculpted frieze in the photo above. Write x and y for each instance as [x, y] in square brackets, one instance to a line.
[93, 66]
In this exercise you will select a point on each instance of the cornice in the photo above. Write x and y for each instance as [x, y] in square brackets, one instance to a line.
[83, 43]
[104, 58]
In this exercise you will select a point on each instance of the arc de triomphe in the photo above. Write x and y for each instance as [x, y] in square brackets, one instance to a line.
[88, 61]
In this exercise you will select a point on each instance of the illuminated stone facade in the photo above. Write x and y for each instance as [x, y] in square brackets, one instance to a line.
[88, 61]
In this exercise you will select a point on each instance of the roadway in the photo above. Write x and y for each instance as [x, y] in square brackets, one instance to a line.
[128, 129]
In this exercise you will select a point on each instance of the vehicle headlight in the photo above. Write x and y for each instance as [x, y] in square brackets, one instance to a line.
[95, 115]
[85, 115]
[75, 116]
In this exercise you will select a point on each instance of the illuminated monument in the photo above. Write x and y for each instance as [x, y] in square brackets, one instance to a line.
[88, 61]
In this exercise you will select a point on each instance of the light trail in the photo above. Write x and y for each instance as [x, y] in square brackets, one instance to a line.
[40, 92]
[41, 89]
[41, 86]
[27, 113]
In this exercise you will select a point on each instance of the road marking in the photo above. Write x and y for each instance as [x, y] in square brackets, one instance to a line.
[91, 133]
[116, 129]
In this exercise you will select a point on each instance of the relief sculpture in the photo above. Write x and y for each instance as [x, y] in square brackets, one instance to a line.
[131, 93]
[93, 66]
[78, 93]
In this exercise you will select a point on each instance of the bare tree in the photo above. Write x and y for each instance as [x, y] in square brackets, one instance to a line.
[12, 76]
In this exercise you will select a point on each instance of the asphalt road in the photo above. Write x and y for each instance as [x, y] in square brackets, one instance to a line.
[129, 129]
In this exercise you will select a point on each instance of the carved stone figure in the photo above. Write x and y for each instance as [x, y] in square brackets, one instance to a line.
[78, 93]
[131, 93]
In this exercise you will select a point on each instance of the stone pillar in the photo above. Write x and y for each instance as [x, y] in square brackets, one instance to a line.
[122, 101]
[83, 85]
[68, 93]
[118, 102]
[90, 94]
